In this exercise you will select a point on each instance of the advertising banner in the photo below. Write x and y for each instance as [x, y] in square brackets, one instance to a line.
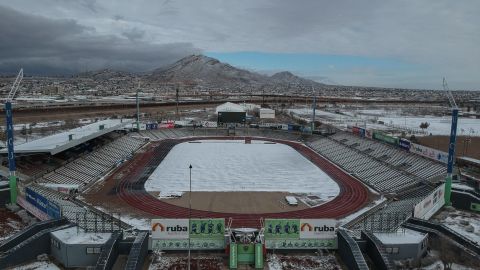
[431, 204]
[169, 228]
[317, 228]
[368, 133]
[233, 260]
[282, 229]
[174, 234]
[36, 200]
[362, 132]
[207, 228]
[385, 138]
[300, 233]
[301, 244]
[429, 152]
[404, 144]
[54, 210]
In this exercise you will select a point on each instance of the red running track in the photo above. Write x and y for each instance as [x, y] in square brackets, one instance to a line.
[353, 194]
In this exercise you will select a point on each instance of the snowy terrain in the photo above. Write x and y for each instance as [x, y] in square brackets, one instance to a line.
[235, 166]
[438, 125]
[301, 262]
[44, 265]
[465, 223]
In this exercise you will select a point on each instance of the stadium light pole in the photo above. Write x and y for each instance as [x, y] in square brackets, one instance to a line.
[189, 214]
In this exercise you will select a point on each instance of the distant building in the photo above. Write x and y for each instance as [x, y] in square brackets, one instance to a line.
[230, 113]
[265, 113]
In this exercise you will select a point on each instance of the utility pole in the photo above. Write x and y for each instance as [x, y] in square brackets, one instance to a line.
[314, 108]
[177, 97]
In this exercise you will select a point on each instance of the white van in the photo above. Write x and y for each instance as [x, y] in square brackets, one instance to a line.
[291, 200]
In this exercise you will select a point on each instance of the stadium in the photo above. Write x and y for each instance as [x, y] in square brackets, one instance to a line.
[110, 177]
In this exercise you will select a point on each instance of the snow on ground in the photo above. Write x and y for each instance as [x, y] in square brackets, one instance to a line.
[465, 223]
[164, 261]
[138, 223]
[45, 265]
[73, 235]
[301, 262]
[236, 166]
[438, 125]
[438, 265]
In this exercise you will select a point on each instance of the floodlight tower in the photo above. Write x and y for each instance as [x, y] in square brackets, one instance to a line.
[138, 106]
[314, 107]
[11, 152]
[451, 146]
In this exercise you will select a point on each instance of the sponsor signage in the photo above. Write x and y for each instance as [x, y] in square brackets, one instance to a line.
[300, 233]
[233, 260]
[404, 144]
[431, 204]
[368, 133]
[301, 244]
[362, 132]
[32, 209]
[182, 244]
[282, 229]
[258, 256]
[170, 229]
[317, 228]
[385, 138]
[429, 152]
[174, 234]
[43, 204]
[207, 228]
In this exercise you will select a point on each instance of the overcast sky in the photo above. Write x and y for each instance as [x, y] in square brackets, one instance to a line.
[401, 43]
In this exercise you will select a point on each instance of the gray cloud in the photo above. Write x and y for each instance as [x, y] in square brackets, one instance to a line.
[440, 36]
[62, 46]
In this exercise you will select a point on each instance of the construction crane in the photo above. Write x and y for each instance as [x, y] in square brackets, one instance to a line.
[11, 153]
[451, 146]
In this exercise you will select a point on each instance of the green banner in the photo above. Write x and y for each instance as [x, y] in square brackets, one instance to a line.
[385, 138]
[258, 256]
[196, 244]
[207, 228]
[233, 260]
[282, 229]
[301, 244]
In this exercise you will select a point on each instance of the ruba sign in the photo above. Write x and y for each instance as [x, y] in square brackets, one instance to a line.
[170, 228]
[300, 234]
[317, 228]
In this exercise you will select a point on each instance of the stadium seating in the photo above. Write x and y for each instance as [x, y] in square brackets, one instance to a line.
[411, 163]
[88, 168]
[369, 170]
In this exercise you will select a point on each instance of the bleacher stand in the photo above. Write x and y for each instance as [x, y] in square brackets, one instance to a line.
[90, 167]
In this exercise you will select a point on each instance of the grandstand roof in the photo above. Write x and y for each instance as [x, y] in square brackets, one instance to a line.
[230, 107]
[61, 141]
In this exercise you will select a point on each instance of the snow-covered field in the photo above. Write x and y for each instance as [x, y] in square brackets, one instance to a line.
[235, 166]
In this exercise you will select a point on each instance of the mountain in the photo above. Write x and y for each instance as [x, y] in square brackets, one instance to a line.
[105, 74]
[287, 77]
[205, 70]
